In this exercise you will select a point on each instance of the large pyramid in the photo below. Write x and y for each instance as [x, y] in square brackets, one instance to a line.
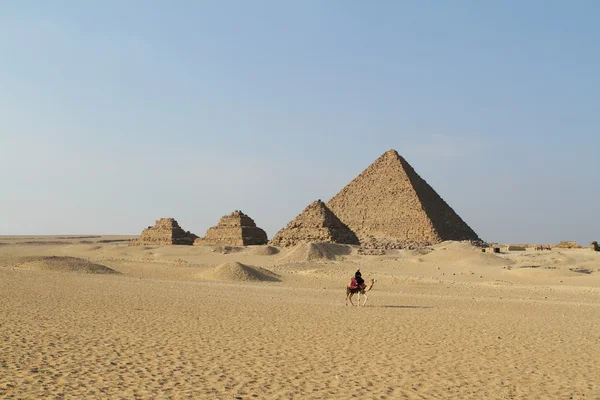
[235, 229]
[165, 231]
[390, 200]
[315, 224]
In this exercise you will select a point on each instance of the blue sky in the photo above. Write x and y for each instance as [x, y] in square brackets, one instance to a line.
[113, 114]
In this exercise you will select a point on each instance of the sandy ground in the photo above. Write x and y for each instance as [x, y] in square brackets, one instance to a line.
[90, 317]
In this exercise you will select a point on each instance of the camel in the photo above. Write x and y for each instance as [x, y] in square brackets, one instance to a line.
[351, 292]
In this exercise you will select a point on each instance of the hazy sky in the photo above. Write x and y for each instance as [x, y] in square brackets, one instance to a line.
[116, 113]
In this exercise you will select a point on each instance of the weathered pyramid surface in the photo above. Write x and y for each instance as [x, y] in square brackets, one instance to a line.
[390, 200]
[165, 231]
[235, 229]
[315, 224]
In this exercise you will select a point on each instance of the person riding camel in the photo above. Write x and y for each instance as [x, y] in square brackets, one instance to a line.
[360, 282]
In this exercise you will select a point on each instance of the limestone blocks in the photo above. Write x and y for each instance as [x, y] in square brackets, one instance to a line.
[315, 224]
[166, 231]
[390, 200]
[235, 229]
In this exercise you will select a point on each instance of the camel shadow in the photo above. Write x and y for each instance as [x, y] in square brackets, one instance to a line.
[419, 307]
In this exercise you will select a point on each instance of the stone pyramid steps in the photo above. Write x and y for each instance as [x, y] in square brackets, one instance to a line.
[390, 200]
[235, 229]
[315, 224]
[166, 231]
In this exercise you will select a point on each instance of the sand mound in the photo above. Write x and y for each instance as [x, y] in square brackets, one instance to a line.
[449, 255]
[227, 249]
[536, 272]
[63, 264]
[237, 272]
[454, 245]
[315, 252]
[421, 251]
[264, 251]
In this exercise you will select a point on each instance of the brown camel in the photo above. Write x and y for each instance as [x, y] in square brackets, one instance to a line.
[351, 292]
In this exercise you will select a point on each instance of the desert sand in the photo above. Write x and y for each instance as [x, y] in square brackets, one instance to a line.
[91, 317]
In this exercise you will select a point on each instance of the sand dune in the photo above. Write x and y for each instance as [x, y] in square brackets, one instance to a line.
[63, 264]
[186, 322]
[464, 257]
[305, 252]
[264, 250]
[237, 272]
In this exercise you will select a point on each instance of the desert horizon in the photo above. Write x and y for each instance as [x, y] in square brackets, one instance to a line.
[312, 200]
[382, 292]
[109, 320]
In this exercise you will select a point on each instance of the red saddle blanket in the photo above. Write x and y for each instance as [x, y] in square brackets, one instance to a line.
[353, 284]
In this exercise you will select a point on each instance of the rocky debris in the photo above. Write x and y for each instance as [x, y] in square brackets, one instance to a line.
[224, 249]
[594, 246]
[568, 245]
[235, 229]
[389, 199]
[315, 224]
[387, 243]
[166, 231]
[581, 270]
[370, 252]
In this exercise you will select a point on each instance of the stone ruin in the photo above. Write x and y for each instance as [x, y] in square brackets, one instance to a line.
[389, 200]
[594, 246]
[235, 229]
[568, 245]
[315, 224]
[166, 231]
[490, 249]
[515, 247]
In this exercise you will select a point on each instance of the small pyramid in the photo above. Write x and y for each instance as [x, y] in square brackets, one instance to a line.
[165, 231]
[389, 199]
[315, 224]
[235, 229]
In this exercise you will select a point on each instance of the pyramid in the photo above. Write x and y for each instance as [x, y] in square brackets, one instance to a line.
[235, 229]
[390, 200]
[165, 231]
[315, 224]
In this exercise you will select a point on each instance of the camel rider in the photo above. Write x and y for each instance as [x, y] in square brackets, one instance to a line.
[359, 280]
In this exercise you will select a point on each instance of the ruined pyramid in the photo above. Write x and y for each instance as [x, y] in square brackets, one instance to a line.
[166, 231]
[235, 229]
[390, 200]
[315, 224]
